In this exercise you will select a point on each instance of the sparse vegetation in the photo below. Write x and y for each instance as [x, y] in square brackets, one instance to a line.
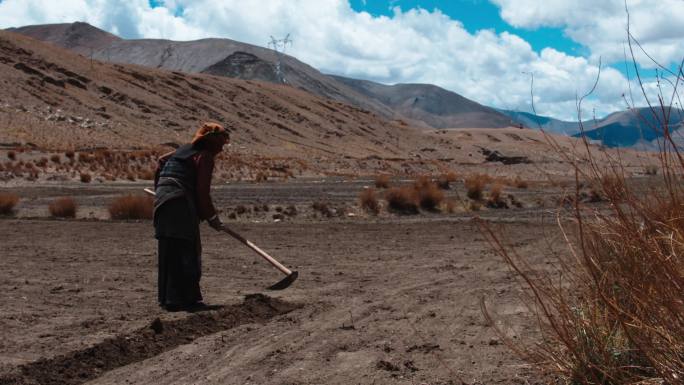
[369, 201]
[612, 311]
[429, 195]
[64, 207]
[382, 181]
[402, 199]
[131, 207]
[7, 203]
[85, 177]
[445, 180]
[475, 185]
[495, 200]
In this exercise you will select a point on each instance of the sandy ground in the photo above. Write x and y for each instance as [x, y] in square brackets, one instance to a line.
[387, 300]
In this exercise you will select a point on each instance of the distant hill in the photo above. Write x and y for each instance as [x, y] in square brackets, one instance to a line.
[637, 127]
[430, 104]
[423, 105]
[546, 123]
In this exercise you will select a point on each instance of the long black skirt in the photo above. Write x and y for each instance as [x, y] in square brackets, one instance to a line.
[180, 271]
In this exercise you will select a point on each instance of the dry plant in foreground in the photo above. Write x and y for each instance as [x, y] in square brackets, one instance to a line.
[613, 311]
[63, 207]
[131, 207]
[7, 203]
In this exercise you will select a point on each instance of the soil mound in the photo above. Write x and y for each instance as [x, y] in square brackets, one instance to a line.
[159, 336]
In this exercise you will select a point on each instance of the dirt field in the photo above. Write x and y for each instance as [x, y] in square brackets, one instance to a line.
[379, 300]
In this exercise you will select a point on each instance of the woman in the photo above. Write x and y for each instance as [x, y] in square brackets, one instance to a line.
[182, 183]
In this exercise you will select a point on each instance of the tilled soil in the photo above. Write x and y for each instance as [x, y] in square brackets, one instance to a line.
[376, 302]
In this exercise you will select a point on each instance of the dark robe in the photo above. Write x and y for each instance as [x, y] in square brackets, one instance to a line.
[181, 186]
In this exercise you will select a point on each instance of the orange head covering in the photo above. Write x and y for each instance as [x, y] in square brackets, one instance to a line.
[210, 131]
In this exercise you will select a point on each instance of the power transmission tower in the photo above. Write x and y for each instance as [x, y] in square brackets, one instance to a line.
[279, 46]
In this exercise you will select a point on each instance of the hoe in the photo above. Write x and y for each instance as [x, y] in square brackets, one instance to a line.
[290, 276]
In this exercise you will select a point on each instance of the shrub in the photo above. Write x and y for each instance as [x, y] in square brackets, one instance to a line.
[382, 181]
[369, 201]
[56, 158]
[63, 207]
[7, 203]
[12, 155]
[402, 199]
[444, 181]
[429, 195]
[651, 169]
[611, 310]
[475, 185]
[131, 207]
[495, 200]
[85, 177]
[70, 155]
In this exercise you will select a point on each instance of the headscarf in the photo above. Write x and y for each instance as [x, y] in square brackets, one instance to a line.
[211, 135]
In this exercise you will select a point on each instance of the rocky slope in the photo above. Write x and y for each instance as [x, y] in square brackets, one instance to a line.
[424, 105]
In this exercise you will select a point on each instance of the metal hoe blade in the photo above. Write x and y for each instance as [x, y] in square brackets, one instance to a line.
[285, 282]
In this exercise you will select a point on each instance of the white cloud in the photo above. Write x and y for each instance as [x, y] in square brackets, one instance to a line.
[416, 46]
[602, 25]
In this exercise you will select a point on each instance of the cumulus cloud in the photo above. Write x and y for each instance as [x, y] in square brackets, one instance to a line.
[602, 25]
[412, 46]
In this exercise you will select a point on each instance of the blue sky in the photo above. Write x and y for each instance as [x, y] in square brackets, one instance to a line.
[476, 15]
[484, 50]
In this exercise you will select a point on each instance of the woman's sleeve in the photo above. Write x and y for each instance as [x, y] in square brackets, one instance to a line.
[205, 168]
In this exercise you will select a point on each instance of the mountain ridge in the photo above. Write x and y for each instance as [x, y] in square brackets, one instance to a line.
[225, 57]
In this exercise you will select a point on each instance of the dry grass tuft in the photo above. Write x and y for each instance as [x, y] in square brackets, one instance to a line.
[7, 203]
[85, 177]
[382, 181]
[475, 185]
[429, 195]
[445, 180]
[402, 200]
[369, 201]
[495, 200]
[131, 207]
[64, 207]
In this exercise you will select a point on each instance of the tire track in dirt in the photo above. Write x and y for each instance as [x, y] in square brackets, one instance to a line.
[159, 336]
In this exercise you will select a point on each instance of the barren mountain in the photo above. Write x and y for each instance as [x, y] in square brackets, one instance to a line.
[222, 57]
[430, 104]
[425, 105]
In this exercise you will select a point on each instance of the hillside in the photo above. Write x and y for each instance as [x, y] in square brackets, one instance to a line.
[430, 104]
[424, 105]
